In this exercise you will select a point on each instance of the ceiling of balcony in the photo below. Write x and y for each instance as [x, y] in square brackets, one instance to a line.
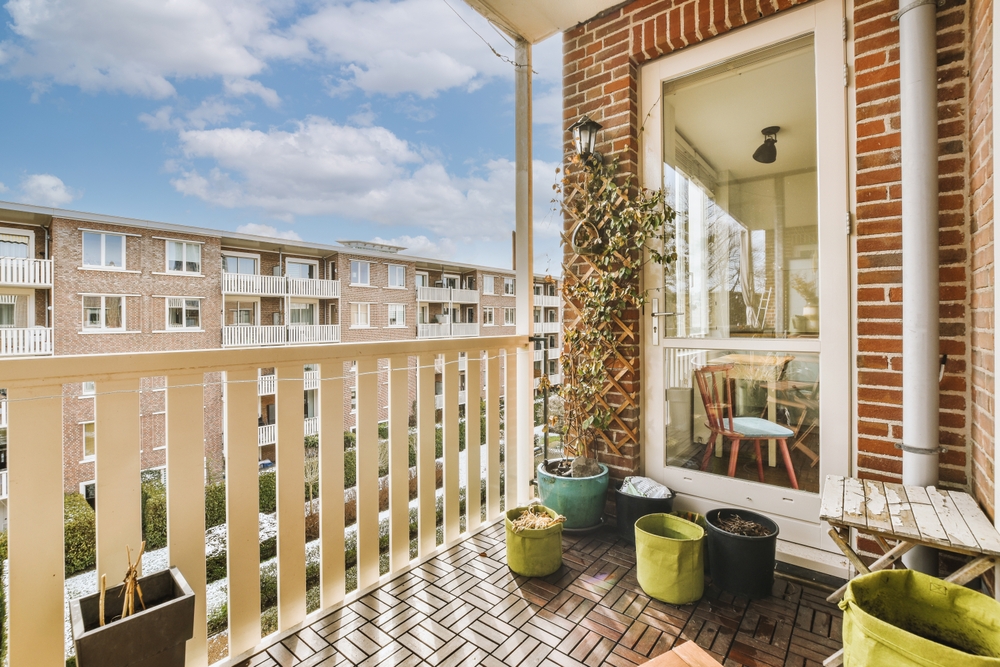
[535, 20]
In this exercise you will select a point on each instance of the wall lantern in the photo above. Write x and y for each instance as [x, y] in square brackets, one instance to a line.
[767, 153]
[585, 136]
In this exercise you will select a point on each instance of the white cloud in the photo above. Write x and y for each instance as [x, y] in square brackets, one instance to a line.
[258, 229]
[243, 87]
[3, 188]
[46, 190]
[421, 246]
[139, 46]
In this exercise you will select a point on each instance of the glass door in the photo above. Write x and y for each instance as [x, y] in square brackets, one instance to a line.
[745, 349]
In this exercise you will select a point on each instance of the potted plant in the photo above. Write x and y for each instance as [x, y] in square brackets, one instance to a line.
[534, 540]
[741, 549]
[617, 227]
[807, 290]
[150, 628]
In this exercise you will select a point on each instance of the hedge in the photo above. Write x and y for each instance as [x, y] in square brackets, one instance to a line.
[154, 514]
[79, 534]
[215, 504]
[267, 488]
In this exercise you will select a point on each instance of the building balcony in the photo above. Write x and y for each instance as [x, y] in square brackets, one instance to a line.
[433, 331]
[546, 301]
[313, 333]
[244, 335]
[439, 399]
[464, 296]
[28, 341]
[554, 353]
[267, 384]
[310, 380]
[547, 327]
[318, 289]
[252, 284]
[3, 414]
[434, 294]
[465, 329]
[3, 485]
[24, 272]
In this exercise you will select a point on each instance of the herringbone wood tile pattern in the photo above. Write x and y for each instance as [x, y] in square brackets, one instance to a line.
[465, 607]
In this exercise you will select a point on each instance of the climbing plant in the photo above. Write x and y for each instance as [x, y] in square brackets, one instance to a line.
[614, 228]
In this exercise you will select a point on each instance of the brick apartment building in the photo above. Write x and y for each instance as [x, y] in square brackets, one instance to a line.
[73, 283]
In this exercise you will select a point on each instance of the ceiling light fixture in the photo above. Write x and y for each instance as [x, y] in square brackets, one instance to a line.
[767, 153]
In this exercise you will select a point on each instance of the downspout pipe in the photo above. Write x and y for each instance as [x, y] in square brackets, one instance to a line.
[919, 153]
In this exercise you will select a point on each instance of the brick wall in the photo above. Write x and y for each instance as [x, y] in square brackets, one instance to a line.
[379, 295]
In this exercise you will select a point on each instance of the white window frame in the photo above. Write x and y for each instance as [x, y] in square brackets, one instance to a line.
[368, 271]
[299, 260]
[184, 247]
[509, 316]
[445, 277]
[103, 265]
[426, 276]
[509, 287]
[354, 400]
[242, 255]
[184, 308]
[83, 432]
[488, 317]
[88, 388]
[402, 310]
[303, 305]
[488, 285]
[103, 327]
[240, 302]
[30, 235]
[393, 267]
[368, 308]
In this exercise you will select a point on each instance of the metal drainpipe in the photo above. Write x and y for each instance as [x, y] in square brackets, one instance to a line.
[919, 152]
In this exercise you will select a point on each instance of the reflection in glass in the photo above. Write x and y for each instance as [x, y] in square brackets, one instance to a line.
[746, 233]
[765, 396]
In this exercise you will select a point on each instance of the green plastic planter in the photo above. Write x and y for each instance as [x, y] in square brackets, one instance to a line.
[533, 553]
[670, 558]
[579, 499]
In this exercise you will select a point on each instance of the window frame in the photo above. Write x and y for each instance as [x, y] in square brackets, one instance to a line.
[368, 273]
[509, 286]
[93, 439]
[389, 315]
[103, 266]
[489, 284]
[184, 261]
[303, 305]
[488, 316]
[307, 262]
[103, 328]
[185, 304]
[509, 316]
[389, 283]
[368, 308]
[226, 255]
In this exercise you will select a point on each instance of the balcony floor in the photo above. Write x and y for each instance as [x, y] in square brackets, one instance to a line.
[466, 608]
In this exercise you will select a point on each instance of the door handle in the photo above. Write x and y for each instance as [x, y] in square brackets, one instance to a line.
[656, 315]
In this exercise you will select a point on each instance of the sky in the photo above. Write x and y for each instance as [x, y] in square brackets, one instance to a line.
[320, 120]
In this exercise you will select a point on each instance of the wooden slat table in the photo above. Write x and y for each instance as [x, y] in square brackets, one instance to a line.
[687, 654]
[908, 516]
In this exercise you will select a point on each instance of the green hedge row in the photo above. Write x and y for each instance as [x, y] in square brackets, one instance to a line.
[79, 534]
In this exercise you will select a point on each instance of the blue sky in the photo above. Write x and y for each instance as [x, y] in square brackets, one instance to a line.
[321, 120]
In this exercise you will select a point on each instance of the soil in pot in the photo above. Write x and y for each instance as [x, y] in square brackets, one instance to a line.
[580, 499]
[742, 564]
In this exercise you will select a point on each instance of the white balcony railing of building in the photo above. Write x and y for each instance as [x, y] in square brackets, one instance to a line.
[554, 353]
[266, 385]
[310, 426]
[465, 329]
[244, 335]
[546, 301]
[3, 413]
[253, 285]
[313, 333]
[25, 272]
[267, 434]
[310, 380]
[547, 327]
[25, 341]
[319, 289]
[439, 399]
[464, 296]
[433, 330]
[437, 294]
[36, 602]
[3, 485]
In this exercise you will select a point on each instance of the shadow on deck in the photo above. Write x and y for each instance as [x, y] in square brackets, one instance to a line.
[465, 607]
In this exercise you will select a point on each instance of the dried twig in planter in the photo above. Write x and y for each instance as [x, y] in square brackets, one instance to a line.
[534, 519]
[737, 525]
[131, 582]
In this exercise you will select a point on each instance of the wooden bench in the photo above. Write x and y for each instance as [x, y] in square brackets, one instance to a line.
[908, 516]
[687, 654]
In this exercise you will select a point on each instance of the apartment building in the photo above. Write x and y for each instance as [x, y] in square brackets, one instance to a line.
[74, 283]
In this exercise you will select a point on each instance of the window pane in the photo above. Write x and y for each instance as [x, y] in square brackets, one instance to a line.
[175, 256]
[91, 311]
[88, 441]
[114, 251]
[230, 264]
[746, 234]
[176, 316]
[6, 314]
[247, 265]
[91, 249]
[193, 257]
[113, 312]
[192, 308]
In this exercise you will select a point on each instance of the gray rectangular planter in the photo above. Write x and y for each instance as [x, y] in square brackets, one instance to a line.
[154, 637]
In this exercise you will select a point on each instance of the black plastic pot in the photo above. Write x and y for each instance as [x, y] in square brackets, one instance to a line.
[154, 637]
[742, 565]
[629, 509]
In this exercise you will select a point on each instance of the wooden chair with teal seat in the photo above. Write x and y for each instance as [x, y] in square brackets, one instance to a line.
[715, 385]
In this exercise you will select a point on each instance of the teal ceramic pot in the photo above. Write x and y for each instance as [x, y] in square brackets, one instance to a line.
[579, 499]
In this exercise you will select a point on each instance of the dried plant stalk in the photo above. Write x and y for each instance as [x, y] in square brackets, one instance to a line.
[535, 519]
[104, 587]
[131, 582]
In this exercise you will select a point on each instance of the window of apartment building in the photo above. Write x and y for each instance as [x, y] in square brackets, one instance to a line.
[183, 313]
[183, 257]
[423, 316]
[89, 389]
[553, 367]
[469, 282]
[550, 314]
[397, 275]
[361, 315]
[89, 441]
[301, 270]
[552, 342]
[538, 290]
[487, 316]
[550, 289]
[89, 492]
[488, 285]
[420, 279]
[104, 312]
[103, 250]
[354, 401]
[14, 245]
[241, 312]
[235, 264]
[7, 302]
[359, 273]
[450, 281]
[538, 315]
[508, 316]
[508, 286]
[397, 315]
[302, 313]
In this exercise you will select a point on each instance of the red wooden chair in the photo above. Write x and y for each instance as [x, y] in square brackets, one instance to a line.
[715, 385]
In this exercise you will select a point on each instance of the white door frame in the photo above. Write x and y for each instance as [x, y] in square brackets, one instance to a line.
[803, 538]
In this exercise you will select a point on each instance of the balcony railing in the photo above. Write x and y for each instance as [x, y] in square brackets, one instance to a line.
[547, 327]
[244, 335]
[3, 485]
[313, 333]
[266, 385]
[320, 289]
[439, 399]
[267, 434]
[310, 426]
[252, 284]
[546, 301]
[464, 296]
[433, 330]
[465, 329]
[25, 341]
[311, 380]
[554, 353]
[438, 294]
[3, 414]
[35, 569]
[25, 272]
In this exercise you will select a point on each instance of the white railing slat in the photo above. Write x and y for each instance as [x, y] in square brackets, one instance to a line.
[185, 497]
[311, 380]
[242, 518]
[473, 391]
[3, 413]
[492, 434]
[440, 294]
[465, 329]
[331, 484]
[367, 469]
[26, 271]
[449, 438]
[253, 284]
[426, 473]
[399, 467]
[25, 341]
[290, 460]
[118, 495]
[265, 385]
[267, 434]
[510, 431]
[3, 484]
[322, 289]
[310, 426]
[464, 295]
[35, 528]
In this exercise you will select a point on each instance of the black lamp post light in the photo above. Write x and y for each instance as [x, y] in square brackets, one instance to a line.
[767, 153]
[585, 136]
